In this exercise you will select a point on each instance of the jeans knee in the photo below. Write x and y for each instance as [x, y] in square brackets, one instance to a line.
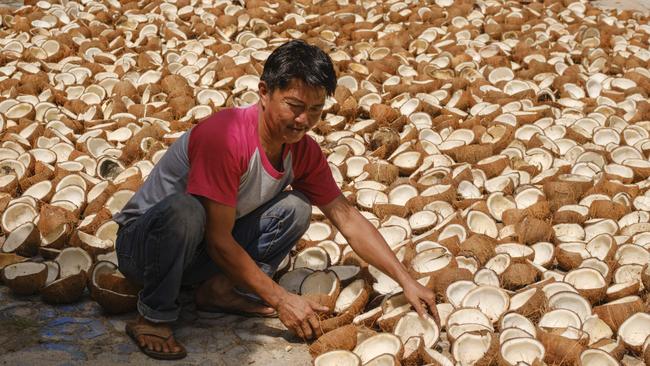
[185, 213]
[299, 208]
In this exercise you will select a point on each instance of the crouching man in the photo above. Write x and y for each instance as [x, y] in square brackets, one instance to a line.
[215, 210]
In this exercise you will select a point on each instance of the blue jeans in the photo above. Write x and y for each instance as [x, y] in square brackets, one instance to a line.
[164, 249]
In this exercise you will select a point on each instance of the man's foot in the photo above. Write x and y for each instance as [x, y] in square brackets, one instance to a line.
[217, 295]
[154, 339]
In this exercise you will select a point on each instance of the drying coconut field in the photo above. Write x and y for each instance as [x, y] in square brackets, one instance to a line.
[501, 148]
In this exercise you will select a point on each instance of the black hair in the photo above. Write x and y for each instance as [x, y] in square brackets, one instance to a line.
[299, 60]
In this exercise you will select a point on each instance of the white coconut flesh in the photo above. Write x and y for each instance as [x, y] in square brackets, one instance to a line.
[560, 318]
[320, 282]
[516, 320]
[73, 261]
[367, 198]
[383, 360]
[555, 287]
[463, 318]
[18, 237]
[512, 333]
[470, 348]
[74, 194]
[337, 358]
[499, 263]
[411, 325]
[544, 253]
[53, 270]
[394, 235]
[423, 220]
[481, 223]
[628, 273]
[401, 194]
[486, 277]
[492, 301]
[94, 242]
[333, 250]
[372, 313]
[292, 280]
[314, 258]
[635, 329]
[520, 299]
[524, 350]
[118, 200]
[72, 180]
[597, 329]
[22, 269]
[349, 295]
[596, 264]
[39, 190]
[456, 291]
[515, 250]
[632, 254]
[318, 231]
[16, 215]
[597, 357]
[585, 278]
[108, 231]
[431, 260]
[377, 345]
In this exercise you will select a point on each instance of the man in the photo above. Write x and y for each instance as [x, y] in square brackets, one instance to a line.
[215, 210]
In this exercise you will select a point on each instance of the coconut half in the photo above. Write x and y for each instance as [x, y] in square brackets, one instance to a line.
[25, 278]
[411, 325]
[378, 345]
[23, 240]
[322, 287]
[112, 291]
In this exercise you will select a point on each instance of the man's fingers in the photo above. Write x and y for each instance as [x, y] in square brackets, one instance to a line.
[317, 307]
[315, 325]
[419, 308]
[306, 329]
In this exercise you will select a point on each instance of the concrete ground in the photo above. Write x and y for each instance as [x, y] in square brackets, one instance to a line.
[34, 333]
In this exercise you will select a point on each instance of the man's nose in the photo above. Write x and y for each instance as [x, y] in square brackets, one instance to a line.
[302, 118]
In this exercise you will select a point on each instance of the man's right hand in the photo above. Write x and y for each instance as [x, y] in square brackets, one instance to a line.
[300, 315]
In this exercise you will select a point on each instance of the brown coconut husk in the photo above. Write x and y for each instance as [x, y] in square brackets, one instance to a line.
[607, 210]
[564, 191]
[560, 351]
[385, 137]
[479, 246]
[329, 324]
[535, 307]
[519, 275]
[630, 290]
[382, 172]
[343, 338]
[385, 210]
[65, 290]
[645, 277]
[568, 217]
[101, 217]
[531, 230]
[53, 217]
[10, 258]
[615, 314]
[413, 349]
[452, 244]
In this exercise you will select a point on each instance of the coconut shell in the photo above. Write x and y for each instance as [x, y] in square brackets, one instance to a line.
[115, 303]
[447, 276]
[452, 244]
[343, 338]
[615, 314]
[65, 290]
[568, 217]
[413, 356]
[382, 172]
[560, 351]
[633, 289]
[479, 246]
[519, 275]
[531, 230]
[645, 276]
[26, 285]
[564, 191]
[567, 260]
[29, 246]
[385, 210]
[607, 210]
[617, 352]
[53, 217]
[534, 307]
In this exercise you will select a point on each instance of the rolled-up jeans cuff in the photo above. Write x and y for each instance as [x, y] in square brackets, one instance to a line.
[266, 268]
[156, 316]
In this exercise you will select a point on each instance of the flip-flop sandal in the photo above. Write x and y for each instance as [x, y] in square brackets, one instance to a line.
[135, 330]
[248, 314]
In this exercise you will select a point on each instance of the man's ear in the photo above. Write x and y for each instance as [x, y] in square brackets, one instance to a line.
[263, 90]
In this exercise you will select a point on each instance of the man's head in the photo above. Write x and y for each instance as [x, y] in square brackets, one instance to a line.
[297, 78]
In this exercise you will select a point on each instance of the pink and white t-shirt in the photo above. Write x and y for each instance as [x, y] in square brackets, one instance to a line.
[221, 159]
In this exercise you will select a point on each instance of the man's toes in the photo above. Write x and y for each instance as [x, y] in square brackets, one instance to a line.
[142, 341]
[157, 347]
[165, 348]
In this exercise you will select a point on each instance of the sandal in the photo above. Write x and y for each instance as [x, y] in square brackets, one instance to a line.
[135, 330]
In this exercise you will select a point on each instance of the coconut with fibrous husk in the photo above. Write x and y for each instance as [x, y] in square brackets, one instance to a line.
[343, 338]
[25, 278]
[560, 350]
[8, 259]
[53, 217]
[314, 258]
[616, 312]
[322, 287]
[431, 261]
[529, 302]
[492, 301]
[353, 298]
[23, 240]
[634, 331]
[521, 350]
[448, 276]
[75, 265]
[91, 244]
[112, 291]
[597, 357]
[479, 246]
[531, 231]
[413, 348]
[369, 318]
[337, 358]
[518, 275]
[379, 344]
[411, 325]
[476, 348]
[435, 358]
[589, 283]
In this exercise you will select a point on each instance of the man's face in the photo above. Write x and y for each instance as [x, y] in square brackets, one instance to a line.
[291, 112]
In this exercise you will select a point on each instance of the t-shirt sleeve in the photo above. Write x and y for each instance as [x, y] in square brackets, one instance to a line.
[215, 167]
[313, 175]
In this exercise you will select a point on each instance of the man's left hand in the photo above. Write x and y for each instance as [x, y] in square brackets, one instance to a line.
[422, 299]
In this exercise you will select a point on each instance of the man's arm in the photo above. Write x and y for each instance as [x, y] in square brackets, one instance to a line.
[294, 311]
[368, 243]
